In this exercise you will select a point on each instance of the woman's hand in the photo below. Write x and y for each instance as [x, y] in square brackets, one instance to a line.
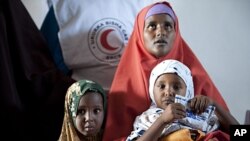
[199, 103]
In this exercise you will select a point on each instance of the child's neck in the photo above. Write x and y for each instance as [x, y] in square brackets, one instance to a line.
[91, 138]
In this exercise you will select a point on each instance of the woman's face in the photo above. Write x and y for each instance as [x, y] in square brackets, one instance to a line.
[159, 34]
[90, 114]
[166, 87]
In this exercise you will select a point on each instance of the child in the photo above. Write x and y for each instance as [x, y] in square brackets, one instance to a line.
[85, 108]
[172, 114]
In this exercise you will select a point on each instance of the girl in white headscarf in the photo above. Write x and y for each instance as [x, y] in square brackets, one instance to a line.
[170, 89]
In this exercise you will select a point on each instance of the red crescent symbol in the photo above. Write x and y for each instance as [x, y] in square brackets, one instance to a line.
[104, 41]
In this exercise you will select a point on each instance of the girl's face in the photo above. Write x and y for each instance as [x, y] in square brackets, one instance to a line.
[166, 87]
[90, 114]
[159, 34]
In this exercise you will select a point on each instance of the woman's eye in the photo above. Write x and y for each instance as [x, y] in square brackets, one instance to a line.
[151, 26]
[168, 26]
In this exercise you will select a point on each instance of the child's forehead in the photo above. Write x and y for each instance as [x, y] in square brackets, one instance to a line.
[92, 94]
[90, 97]
[171, 77]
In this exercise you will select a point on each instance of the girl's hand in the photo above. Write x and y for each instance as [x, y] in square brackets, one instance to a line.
[172, 112]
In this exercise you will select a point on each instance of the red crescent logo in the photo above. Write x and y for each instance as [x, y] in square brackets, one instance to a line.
[104, 41]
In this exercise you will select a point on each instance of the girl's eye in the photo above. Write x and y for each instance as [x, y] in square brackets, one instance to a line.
[97, 110]
[80, 112]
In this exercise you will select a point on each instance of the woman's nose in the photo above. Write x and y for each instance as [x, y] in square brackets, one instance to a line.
[161, 32]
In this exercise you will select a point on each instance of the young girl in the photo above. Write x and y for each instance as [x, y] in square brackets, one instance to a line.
[85, 108]
[175, 114]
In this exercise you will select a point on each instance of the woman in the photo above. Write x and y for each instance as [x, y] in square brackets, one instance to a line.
[155, 37]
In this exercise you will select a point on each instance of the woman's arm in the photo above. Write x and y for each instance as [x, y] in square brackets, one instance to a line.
[200, 102]
[225, 117]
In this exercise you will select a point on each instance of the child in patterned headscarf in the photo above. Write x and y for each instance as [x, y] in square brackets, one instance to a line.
[85, 112]
[172, 114]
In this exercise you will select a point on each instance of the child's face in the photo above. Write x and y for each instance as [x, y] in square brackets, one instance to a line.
[90, 114]
[159, 34]
[166, 87]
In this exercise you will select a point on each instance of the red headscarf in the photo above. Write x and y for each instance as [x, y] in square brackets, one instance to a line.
[128, 95]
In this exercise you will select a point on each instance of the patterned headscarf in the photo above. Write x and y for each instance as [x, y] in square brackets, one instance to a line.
[72, 99]
[172, 66]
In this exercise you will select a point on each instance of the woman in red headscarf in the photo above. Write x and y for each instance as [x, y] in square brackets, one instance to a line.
[148, 45]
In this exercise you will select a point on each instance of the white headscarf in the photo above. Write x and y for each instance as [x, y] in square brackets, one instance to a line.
[172, 66]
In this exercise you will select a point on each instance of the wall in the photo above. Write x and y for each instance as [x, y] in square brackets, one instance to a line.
[218, 33]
